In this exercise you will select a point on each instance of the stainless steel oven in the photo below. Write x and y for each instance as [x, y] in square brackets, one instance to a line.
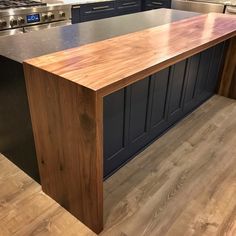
[198, 6]
[22, 16]
[206, 6]
[231, 9]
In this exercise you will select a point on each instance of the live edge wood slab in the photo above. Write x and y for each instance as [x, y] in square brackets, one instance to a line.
[66, 91]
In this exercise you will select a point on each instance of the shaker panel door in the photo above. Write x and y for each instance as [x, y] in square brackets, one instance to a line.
[176, 91]
[191, 82]
[201, 92]
[159, 87]
[114, 130]
[139, 115]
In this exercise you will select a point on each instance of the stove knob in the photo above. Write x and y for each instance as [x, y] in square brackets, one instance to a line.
[51, 16]
[13, 22]
[21, 20]
[3, 23]
[62, 14]
[44, 17]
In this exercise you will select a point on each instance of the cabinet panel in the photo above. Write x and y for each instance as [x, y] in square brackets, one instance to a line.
[114, 116]
[139, 94]
[159, 86]
[115, 130]
[140, 113]
[176, 89]
[155, 4]
[17, 141]
[200, 92]
[213, 76]
[95, 11]
[191, 82]
[128, 6]
[75, 14]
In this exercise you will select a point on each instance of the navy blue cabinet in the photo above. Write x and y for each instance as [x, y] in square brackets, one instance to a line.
[115, 130]
[100, 10]
[202, 76]
[215, 67]
[93, 11]
[141, 112]
[175, 93]
[200, 92]
[138, 115]
[75, 14]
[191, 82]
[158, 102]
[155, 4]
[126, 115]
[128, 6]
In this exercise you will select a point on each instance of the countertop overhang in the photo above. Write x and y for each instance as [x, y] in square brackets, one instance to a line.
[109, 65]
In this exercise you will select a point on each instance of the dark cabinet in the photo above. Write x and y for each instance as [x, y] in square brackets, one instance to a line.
[203, 76]
[138, 114]
[128, 6]
[75, 14]
[191, 82]
[200, 92]
[155, 4]
[175, 93]
[95, 11]
[158, 101]
[115, 130]
[125, 124]
[215, 67]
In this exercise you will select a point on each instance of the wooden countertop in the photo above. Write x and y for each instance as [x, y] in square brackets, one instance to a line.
[111, 64]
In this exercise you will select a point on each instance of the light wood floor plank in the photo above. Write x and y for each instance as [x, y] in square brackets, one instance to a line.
[25, 210]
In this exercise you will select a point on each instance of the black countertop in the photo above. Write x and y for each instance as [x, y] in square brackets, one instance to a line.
[24, 46]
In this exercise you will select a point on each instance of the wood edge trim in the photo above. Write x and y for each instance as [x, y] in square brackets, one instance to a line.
[96, 224]
[156, 68]
[229, 70]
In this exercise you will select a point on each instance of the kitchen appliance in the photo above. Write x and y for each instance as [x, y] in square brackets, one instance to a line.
[230, 9]
[206, 6]
[21, 16]
[198, 6]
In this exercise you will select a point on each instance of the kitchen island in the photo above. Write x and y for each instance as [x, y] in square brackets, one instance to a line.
[16, 136]
[93, 107]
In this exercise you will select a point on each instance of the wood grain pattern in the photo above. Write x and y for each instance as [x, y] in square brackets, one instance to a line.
[67, 125]
[184, 184]
[25, 210]
[109, 65]
[228, 81]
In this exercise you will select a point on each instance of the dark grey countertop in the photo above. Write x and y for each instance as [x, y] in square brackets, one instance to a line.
[24, 46]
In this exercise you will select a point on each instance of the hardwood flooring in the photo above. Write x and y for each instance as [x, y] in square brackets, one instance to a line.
[26, 211]
[184, 184]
